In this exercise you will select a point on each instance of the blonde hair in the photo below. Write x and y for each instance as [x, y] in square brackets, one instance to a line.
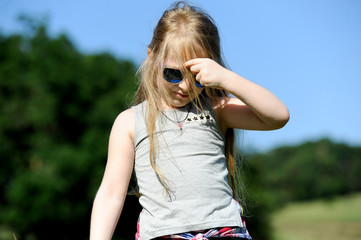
[182, 33]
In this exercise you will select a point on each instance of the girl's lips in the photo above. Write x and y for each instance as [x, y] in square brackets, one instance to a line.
[182, 95]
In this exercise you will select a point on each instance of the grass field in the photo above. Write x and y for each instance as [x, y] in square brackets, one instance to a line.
[339, 218]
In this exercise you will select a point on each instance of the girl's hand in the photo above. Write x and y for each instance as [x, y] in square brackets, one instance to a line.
[254, 108]
[209, 73]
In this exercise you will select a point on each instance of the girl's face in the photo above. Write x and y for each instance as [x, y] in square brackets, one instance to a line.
[178, 94]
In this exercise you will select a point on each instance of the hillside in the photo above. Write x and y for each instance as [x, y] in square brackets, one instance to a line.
[339, 218]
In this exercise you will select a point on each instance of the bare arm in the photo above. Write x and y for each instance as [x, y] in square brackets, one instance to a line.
[110, 197]
[254, 107]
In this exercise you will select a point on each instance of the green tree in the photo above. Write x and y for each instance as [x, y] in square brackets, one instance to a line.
[319, 169]
[57, 107]
[311, 170]
[258, 203]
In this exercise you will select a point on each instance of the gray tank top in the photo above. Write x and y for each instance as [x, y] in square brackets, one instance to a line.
[191, 159]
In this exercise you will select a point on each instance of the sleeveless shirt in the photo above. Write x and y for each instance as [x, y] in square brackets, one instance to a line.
[191, 160]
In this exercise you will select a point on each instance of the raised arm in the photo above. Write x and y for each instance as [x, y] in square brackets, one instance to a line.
[110, 197]
[254, 107]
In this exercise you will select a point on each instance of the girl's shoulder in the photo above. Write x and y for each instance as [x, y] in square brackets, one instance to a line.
[126, 116]
[124, 122]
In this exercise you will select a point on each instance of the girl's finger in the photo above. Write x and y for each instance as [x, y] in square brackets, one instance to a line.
[198, 76]
[193, 61]
[195, 68]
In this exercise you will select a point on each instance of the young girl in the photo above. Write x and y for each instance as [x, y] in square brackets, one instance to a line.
[178, 136]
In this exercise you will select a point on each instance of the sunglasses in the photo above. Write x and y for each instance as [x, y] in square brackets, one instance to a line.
[175, 76]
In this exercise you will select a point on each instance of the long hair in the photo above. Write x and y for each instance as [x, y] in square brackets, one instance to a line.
[182, 33]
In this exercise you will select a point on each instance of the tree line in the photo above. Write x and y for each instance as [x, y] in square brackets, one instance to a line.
[57, 106]
[319, 169]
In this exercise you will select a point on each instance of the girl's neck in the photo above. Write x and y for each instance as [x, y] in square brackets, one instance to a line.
[165, 106]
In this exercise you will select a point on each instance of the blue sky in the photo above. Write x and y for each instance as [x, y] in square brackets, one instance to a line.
[306, 52]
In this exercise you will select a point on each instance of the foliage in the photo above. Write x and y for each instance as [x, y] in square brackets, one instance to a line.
[320, 169]
[57, 107]
[312, 170]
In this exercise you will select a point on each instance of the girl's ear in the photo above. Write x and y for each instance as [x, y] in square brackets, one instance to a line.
[149, 51]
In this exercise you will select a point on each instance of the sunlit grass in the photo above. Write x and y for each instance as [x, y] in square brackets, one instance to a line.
[334, 219]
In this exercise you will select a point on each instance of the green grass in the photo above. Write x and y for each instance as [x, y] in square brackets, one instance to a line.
[339, 218]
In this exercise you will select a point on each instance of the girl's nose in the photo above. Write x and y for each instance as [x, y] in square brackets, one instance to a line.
[185, 85]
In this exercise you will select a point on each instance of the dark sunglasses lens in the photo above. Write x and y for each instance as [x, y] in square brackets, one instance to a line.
[172, 75]
[198, 84]
[175, 76]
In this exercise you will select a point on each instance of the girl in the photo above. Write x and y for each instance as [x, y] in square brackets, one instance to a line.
[178, 136]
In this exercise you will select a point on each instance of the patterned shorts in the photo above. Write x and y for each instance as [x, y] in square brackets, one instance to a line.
[215, 233]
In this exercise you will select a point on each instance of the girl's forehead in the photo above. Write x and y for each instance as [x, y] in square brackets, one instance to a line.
[173, 62]
[178, 59]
